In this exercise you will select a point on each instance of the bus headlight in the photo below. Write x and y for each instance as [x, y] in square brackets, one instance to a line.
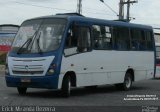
[51, 69]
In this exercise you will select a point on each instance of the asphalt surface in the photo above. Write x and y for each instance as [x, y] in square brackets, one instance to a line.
[99, 99]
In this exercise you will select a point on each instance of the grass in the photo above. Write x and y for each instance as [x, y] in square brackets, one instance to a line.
[2, 63]
[3, 58]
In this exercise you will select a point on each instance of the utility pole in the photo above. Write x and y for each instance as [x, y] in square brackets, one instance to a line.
[121, 9]
[79, 6]
[128, 11]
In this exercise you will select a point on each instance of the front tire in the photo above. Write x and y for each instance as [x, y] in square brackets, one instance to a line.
[22, 90]
[66, 87]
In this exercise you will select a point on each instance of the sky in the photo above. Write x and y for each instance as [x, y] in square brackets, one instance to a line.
[16, 11]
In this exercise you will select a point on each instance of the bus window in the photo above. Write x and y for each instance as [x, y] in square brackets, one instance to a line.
[121, 38]
[138, 39]
[102, 37]
[149, 40]
[84, 39]
[71, 40]
[78, 40]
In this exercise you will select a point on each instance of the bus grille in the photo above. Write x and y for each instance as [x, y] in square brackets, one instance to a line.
[27, 69]
[27, 72]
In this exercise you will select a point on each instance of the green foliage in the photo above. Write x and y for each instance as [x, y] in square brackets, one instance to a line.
[3, 58]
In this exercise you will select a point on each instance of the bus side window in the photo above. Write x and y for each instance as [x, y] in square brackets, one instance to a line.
[102, 37]
[149, 40]
[78, 40]
[84, 39]
[71, 42]
[121, 38]
[138, 40]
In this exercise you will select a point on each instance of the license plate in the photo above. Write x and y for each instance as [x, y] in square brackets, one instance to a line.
[25, 80]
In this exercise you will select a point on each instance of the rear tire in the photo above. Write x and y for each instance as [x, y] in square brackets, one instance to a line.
[66, 87]
[22, 90]
[127, 84]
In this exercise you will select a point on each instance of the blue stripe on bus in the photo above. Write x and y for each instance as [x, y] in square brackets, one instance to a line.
[50, 82]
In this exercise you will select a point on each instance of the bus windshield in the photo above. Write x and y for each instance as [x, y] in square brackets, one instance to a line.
[38, 36]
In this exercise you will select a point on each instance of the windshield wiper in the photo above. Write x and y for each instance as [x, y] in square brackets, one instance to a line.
[39, 48]
[28, 41]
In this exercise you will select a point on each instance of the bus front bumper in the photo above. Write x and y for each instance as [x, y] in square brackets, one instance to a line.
[49, 82]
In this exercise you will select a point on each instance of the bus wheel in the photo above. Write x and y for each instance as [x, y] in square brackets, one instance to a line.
[66, 87]
[22, 90]
[127, 84]
[127, 81]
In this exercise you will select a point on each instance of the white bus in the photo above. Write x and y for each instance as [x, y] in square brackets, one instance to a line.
[69, 50]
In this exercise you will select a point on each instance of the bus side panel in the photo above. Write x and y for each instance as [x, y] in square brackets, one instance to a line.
[145, 66]
[157, 75]
[108, 67]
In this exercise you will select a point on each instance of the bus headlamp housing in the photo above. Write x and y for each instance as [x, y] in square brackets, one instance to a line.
[51, 69]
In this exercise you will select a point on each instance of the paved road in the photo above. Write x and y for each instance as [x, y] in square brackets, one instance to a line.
[102, 96]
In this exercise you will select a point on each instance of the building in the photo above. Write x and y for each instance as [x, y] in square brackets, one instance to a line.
[7, 34]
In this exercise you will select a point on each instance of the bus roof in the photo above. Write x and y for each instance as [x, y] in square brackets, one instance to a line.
[73, 17]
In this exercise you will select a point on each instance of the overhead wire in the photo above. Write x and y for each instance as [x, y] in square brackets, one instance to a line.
[41, 6]
[110, 7]
[58, 8]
